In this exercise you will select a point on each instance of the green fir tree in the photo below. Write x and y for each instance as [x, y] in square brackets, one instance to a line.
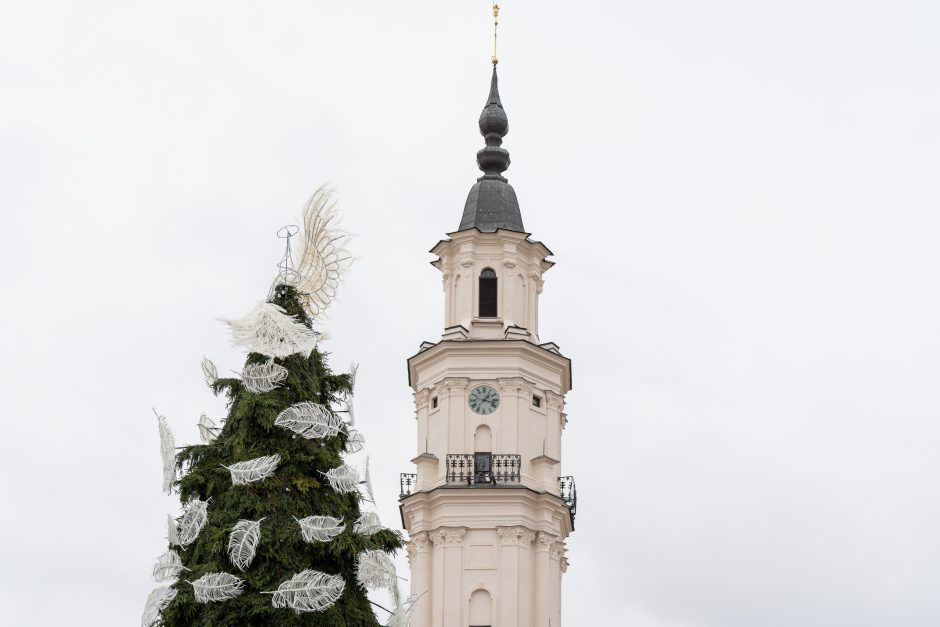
[296, 490]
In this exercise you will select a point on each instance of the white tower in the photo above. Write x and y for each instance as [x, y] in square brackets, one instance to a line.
[487, 509]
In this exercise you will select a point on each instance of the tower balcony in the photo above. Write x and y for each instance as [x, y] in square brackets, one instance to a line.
[483, 469]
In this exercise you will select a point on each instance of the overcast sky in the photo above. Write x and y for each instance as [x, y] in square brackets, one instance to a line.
[743, 201]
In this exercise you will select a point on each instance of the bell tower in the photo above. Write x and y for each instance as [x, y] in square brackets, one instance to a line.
[487, 508]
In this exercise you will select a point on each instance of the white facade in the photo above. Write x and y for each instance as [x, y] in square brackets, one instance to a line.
[487, 546]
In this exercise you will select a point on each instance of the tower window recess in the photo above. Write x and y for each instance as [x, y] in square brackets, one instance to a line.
[536, 401]
[434, 403]
[488, 290]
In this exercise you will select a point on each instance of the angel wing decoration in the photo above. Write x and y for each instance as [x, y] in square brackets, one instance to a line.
[168, 567]
[194, 519]
[374, 569]
[355, 442]
[343, 479]
[321, 254]
[309, 591]
[401, 617]
[217, 587]
[157, 601]
[310, 420]
[209, 371]
[367, 493]
[207, 429]
[270, 331]
[320, 528]
[172, 531]
[243, 542]
[261, 378]
[167, 453]
[254, 469]
[367, 524]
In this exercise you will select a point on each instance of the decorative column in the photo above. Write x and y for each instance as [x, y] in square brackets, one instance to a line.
[516, 392]
[455, 389]
[514, 568]
[559, 563]
[556, 408]
[419, 559]
[448, 568]
[544, 588]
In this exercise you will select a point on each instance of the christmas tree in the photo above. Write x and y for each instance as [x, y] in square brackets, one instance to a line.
[273, 529]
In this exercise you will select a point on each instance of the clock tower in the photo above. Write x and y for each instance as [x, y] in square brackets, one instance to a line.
[487, 508]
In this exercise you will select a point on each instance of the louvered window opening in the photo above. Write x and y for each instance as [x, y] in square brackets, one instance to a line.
[488, 293]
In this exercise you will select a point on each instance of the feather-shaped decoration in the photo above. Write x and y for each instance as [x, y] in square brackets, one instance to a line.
[207, 429]
[168, 567]
[350, 411]
[374, 569]
[320, 528]
[217, 587]
[321, 255]
[268, 330]
[243, 542]
[261, 378]
[309, 591]
[254, 469]
[343, 479]
[367, 524]
[172, 531]
[157, 601]
[310, 420]
[355, 442]
[366, 483]
[401, 617]
[167, 452]
[209, 371]
[195, 515]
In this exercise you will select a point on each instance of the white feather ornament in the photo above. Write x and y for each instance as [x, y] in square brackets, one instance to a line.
[321, 253]
[254, 469]
[268, 330]
[168, 567]
[355, 442]
[309, 591]
[195, 515]
[157, 601]
[207, 429]
[367, 524]
[167, 453]
[401, 617]
[310, 420]
[366, 484]
[172, 531]
[350, 411]
[261, 378]
[374, 569]
[217, 587]
[243, 542]
[209, 371]
[344, 479]
[320, 528]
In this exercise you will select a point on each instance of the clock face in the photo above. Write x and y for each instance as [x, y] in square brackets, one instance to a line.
[484, 400]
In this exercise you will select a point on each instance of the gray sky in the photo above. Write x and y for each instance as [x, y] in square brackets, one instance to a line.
[742, 198]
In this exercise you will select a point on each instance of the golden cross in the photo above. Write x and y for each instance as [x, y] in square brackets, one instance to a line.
[495, 31]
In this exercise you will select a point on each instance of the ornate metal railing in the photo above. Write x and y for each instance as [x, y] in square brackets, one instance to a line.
[483, 469]
[408, 481]
[568, 493]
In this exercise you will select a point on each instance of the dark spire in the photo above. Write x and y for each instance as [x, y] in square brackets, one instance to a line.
[492, 202]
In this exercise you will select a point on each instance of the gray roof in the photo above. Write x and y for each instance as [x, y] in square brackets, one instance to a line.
[492, 202]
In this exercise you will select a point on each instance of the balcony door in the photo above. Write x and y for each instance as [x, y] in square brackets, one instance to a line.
[483, 455]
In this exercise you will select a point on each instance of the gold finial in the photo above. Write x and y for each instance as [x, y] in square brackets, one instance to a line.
[495, 31]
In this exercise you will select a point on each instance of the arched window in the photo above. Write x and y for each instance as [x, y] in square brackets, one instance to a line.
[488, 285]
[481, 609]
